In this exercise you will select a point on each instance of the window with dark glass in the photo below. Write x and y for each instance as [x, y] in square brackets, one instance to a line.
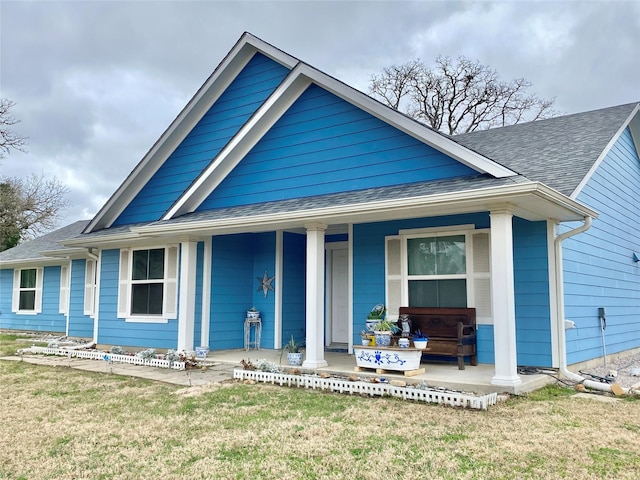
[27, 293]
[147, 282]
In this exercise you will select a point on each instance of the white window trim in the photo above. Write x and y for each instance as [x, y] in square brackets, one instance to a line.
[15, 303]
[169, 299]
[470, 276]
[90, 284]
[65, 279]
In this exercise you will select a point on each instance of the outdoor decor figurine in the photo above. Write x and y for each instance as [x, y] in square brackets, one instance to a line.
[265, 283]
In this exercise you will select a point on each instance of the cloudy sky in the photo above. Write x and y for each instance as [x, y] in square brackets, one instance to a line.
[97, 82]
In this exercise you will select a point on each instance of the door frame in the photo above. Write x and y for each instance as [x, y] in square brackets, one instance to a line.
[329, 249]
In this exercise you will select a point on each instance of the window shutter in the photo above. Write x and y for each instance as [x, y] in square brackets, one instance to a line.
[171, 283]
[393, 276]
[39, 280]
[89, 287]
[15, 300]
[124, 289]
[64, 290]
[482, 277]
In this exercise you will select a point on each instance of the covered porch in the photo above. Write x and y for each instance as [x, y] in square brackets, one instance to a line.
[445, 375]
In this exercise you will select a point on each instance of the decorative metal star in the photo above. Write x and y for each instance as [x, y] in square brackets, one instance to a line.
[265, 283]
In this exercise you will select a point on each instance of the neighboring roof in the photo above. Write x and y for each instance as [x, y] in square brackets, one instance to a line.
[558, 152]
[31, 251]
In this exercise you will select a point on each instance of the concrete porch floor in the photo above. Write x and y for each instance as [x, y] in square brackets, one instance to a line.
[472, 379]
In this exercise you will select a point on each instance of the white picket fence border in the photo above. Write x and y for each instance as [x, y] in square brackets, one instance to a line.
[454, 399]
[105, 356]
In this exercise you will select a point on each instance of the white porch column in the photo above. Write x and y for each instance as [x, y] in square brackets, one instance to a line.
[186, 312]
[315, 297]
[502, 296]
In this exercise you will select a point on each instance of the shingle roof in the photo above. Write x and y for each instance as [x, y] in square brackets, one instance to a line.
[30, 250]
[557, 152]
[395, 192]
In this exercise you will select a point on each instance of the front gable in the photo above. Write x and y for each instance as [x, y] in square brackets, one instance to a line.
[324, 145]
[214, 130]
[249, 97]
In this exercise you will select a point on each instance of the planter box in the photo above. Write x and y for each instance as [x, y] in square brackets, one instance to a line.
[388, 358]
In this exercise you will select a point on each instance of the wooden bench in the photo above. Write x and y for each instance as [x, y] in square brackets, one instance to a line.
[451, 331]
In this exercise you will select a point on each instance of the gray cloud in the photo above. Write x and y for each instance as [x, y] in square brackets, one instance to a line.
[96, 83]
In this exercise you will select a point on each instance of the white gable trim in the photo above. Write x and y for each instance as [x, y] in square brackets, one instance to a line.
[277, 104]
[633, 121]
[190, 115]
[269, 112]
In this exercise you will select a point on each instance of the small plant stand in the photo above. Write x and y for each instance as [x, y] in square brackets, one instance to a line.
[257, 327]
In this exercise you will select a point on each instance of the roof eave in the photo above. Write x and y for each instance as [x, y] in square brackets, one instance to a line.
[531, 200]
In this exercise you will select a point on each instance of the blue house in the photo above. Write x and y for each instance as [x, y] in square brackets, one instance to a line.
[280, 187]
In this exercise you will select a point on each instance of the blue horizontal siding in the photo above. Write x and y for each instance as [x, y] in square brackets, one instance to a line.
[197, 328]
[242, 98]
[293, 286]
[485, 345]
[80, 325]
[6, 296]
[598, 266]
[232, 288]
[115, 331]
[49, 320]
[531, 290]
[323, 145]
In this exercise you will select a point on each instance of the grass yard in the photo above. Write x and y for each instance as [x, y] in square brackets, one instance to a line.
[67, 424]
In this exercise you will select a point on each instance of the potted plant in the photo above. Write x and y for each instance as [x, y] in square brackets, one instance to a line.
[375, 315]
[383, 331]
[420, 340]
[253, 312]
[294, 352]
[365, 335]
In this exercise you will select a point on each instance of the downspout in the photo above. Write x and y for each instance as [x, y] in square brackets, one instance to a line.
[562, 345]
[562, 342]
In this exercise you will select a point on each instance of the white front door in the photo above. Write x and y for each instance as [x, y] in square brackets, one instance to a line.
[339, 296]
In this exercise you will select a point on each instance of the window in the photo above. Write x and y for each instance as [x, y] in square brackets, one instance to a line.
[148, 284]
[445, 267]
[147, 278]
[27, 290]
[437, 268]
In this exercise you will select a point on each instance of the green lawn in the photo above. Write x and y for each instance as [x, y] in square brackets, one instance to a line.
[67, 424]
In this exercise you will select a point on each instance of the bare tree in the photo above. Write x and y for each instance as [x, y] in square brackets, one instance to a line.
[9, 140]
[29, 208]
[458, 96]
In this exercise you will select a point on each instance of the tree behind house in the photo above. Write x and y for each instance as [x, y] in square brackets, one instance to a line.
[458, 96]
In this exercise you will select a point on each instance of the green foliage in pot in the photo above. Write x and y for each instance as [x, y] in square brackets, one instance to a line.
[386, 325]
[292, 346]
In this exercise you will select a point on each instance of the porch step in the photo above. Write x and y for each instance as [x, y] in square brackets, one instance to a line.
[337, 348]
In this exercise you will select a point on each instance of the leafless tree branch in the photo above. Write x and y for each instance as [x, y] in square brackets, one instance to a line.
[458, 96]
